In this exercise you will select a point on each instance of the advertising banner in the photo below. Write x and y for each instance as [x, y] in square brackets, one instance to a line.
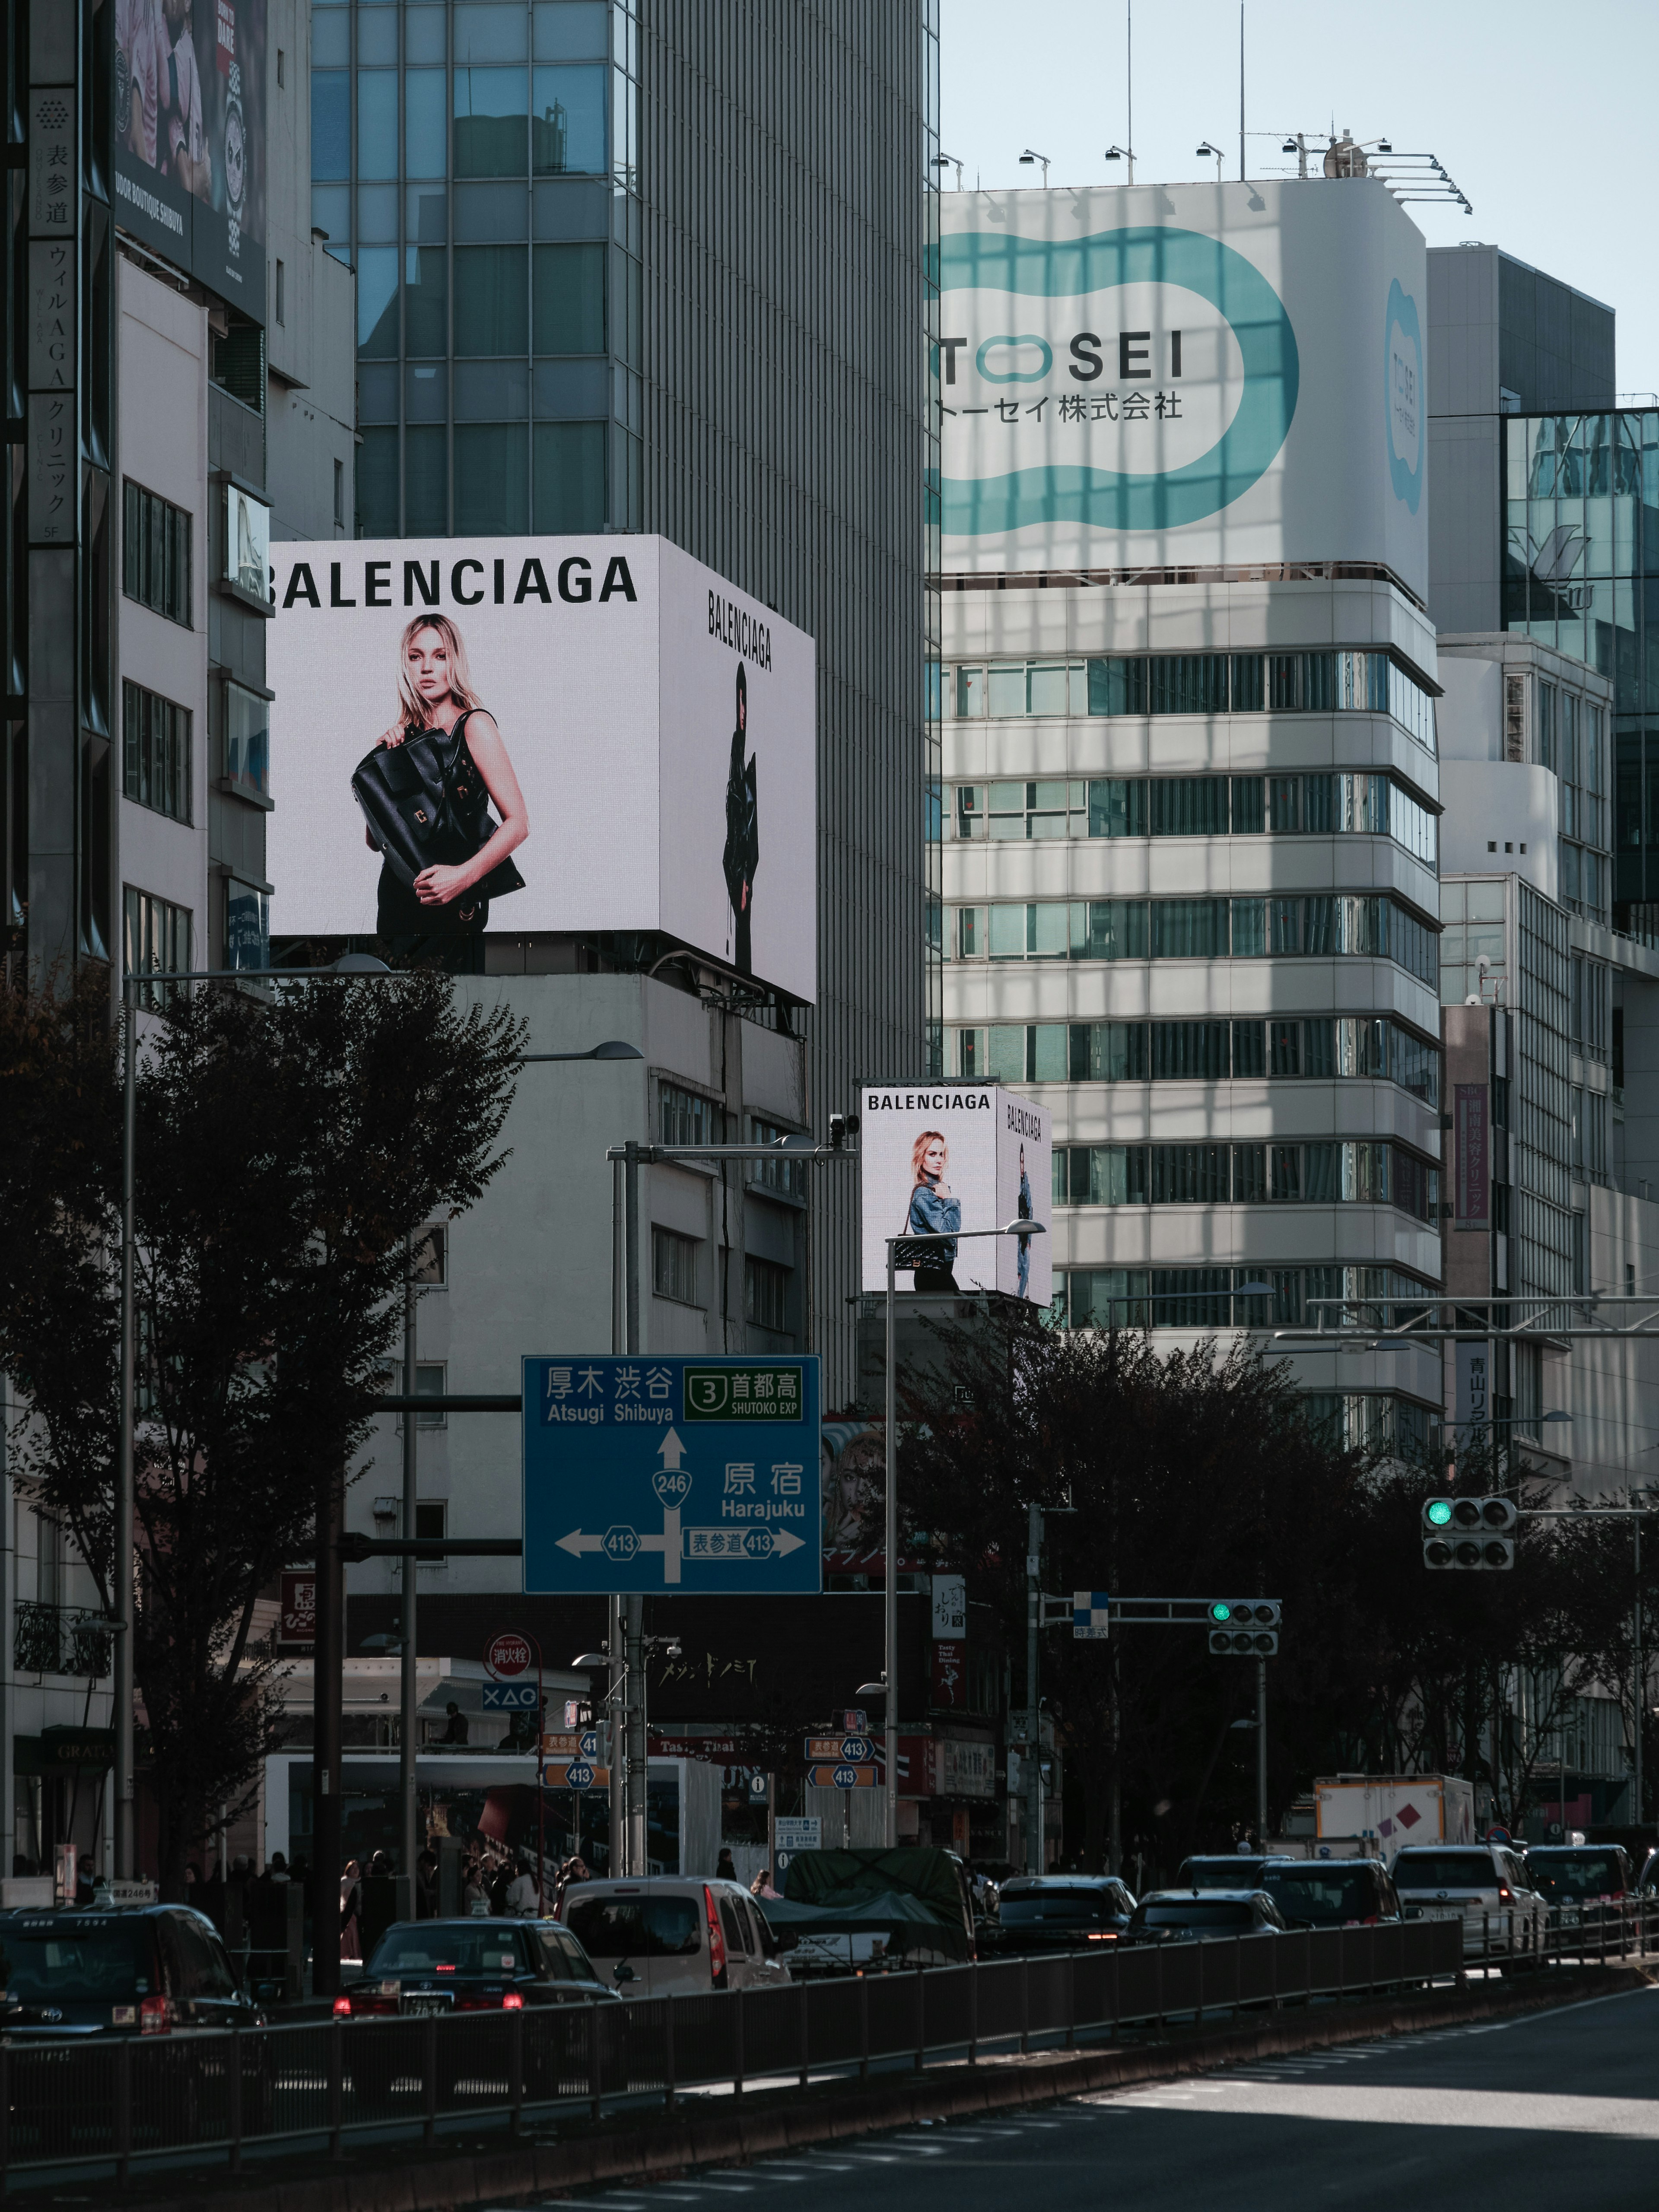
[953, 1157]
[1473, 1156]
[189, 138]
[1182, 375]
[645, 734]
[296, 1630]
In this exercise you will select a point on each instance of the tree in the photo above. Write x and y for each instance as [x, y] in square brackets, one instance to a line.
[286, 1146]
[1187, 1475]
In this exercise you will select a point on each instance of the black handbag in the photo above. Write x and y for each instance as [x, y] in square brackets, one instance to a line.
[426, 806]
[907, 1257]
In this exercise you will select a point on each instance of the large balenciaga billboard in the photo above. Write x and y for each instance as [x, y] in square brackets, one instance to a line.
[189, 138]
[530, 734]
[1183, 376]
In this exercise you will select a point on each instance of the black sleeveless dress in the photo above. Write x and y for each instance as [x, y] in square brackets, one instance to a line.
[398, 914]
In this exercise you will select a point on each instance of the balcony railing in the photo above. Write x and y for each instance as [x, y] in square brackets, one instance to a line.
[61, 1639]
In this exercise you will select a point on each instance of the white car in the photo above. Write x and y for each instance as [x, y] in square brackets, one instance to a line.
[673, 1934]
[1483, 1885]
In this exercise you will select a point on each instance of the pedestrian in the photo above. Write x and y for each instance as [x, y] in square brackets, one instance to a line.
[455, 1727]
[724, 1869]
[522, 1899]
[426, 1884]
[351, 1900]
[573, 1870]
[762, 1884]
[496, 1887]
[473, 1896]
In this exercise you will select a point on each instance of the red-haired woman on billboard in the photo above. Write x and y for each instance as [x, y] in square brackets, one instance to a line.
[437, 700]
[933, 1211]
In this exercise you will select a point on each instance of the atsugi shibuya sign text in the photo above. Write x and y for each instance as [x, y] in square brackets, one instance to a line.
[1177, 376]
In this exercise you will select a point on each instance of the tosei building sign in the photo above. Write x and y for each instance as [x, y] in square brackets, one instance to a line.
[647, 737]
[1182, 375]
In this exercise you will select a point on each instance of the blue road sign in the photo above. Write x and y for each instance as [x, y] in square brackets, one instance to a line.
[647, 1475]
[578, 1775]
[1091, 1616]
[588, 1743]
[509, 1696]
[847, 1777]
[856, 1747]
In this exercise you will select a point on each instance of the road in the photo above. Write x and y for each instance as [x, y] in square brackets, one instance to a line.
[1558, 2111]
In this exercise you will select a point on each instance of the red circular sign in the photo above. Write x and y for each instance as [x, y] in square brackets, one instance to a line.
[508, 1655]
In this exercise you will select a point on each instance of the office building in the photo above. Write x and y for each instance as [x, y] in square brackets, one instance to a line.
[1191, 783]
[635, 267]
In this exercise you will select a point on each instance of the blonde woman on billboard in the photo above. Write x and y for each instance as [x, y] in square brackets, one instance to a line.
[933, 1211]
[454, 765]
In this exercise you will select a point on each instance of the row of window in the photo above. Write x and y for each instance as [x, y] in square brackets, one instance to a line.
[500, 467]
[686, 1117]
[675, 1273]
[1366, 1172]
[1193, 683]
[1323, 1046]
[155, 751]
[508, 122]
[1195, 929]
[1214, 1297]
[155, 553]
[1195, 806]
[508, 300]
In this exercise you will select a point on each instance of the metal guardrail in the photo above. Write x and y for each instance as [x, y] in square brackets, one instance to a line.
[192, 2099]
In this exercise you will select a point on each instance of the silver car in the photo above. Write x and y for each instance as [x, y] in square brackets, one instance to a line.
[1483, 1885]
[670, 1934]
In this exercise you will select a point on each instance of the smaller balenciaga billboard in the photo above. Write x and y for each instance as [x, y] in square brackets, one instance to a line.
[529, 734]
[944, 1159]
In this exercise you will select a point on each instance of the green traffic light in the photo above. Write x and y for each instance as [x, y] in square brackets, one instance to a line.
[1439, 1512]
[1221, 1610]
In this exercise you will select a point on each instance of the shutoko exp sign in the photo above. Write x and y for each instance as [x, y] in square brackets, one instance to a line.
[695, 1476]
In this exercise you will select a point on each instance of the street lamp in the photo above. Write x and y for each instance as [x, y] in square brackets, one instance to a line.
[1123, 154]
[889, 1610]
[1028, 157]
[949, 161]
[1205, 150]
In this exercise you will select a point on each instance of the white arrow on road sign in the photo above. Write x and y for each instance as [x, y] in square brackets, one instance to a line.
[671, 1451]
[740, 1543]
[623, 1543]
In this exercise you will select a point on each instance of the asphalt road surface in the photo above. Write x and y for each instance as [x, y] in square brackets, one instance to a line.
[1558, 2111]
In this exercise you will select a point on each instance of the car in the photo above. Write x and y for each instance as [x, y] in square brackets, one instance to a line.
[1647, 1884]
[1060, 1913]
[125, 1970]
[671, 1933]
[1332, 1892]
[1242, 1870]
[477, 1965]
[1483, 1885]
[474, 1965]
[1571, 1878]
[1203, 1916]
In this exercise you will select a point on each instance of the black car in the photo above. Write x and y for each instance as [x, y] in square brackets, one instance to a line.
[476, 1964]
[1243, 1870]
[1331, 1893]
[1203, 1916]
[144, 1970]
[479, 1964]
[1574, 1879]
[1060, 1913]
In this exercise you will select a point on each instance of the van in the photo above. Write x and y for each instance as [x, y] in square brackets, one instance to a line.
[669, 1935]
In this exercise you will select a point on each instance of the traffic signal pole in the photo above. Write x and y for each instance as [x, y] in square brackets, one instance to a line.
[1034, 1722]
[1261, 1755]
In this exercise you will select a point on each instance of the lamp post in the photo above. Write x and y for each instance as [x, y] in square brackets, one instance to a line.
[1028, 157]
[1205, 151]
[889, 1611]
[1123, 154]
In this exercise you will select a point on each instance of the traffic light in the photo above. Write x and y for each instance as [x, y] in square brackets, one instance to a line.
[1474, 1533]
[1244, 1627]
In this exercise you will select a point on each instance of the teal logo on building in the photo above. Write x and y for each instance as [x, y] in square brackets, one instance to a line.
[1403, 395]
[1082, 271]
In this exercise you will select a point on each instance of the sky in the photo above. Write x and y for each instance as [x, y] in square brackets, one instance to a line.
[1540, 112]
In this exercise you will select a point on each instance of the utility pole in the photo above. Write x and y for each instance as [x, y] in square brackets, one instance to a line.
[628, 1750]
[407, 1697]
[1640, 1685]
[1261, 1755]
[1034, 1722]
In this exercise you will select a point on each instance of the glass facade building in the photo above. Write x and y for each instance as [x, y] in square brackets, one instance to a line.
[1581, 573]
[661, 265]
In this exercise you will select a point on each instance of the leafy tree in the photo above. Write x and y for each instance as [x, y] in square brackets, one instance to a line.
[286, 1145]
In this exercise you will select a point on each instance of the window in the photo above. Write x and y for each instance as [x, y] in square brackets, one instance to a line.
[492, 314]
[155, 752]
[331, 126]
[339, 495]
[491, 123]
[431, 1519]
[569, 475]
[1361, 1173]
[430, 1376]
[282, 68]
[783, 1175]
[765, 1293]
[492, 479]
[566, 129]
[674, 1266]
[247, 926]
[281, 288]
[569, 306]
[425, 137]
[432, 1255]
[1186, 806]
[155, 554]
[685, 1117]
[156, 939]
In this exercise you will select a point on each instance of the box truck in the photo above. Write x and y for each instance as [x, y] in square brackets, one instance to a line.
[1392, 1809]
